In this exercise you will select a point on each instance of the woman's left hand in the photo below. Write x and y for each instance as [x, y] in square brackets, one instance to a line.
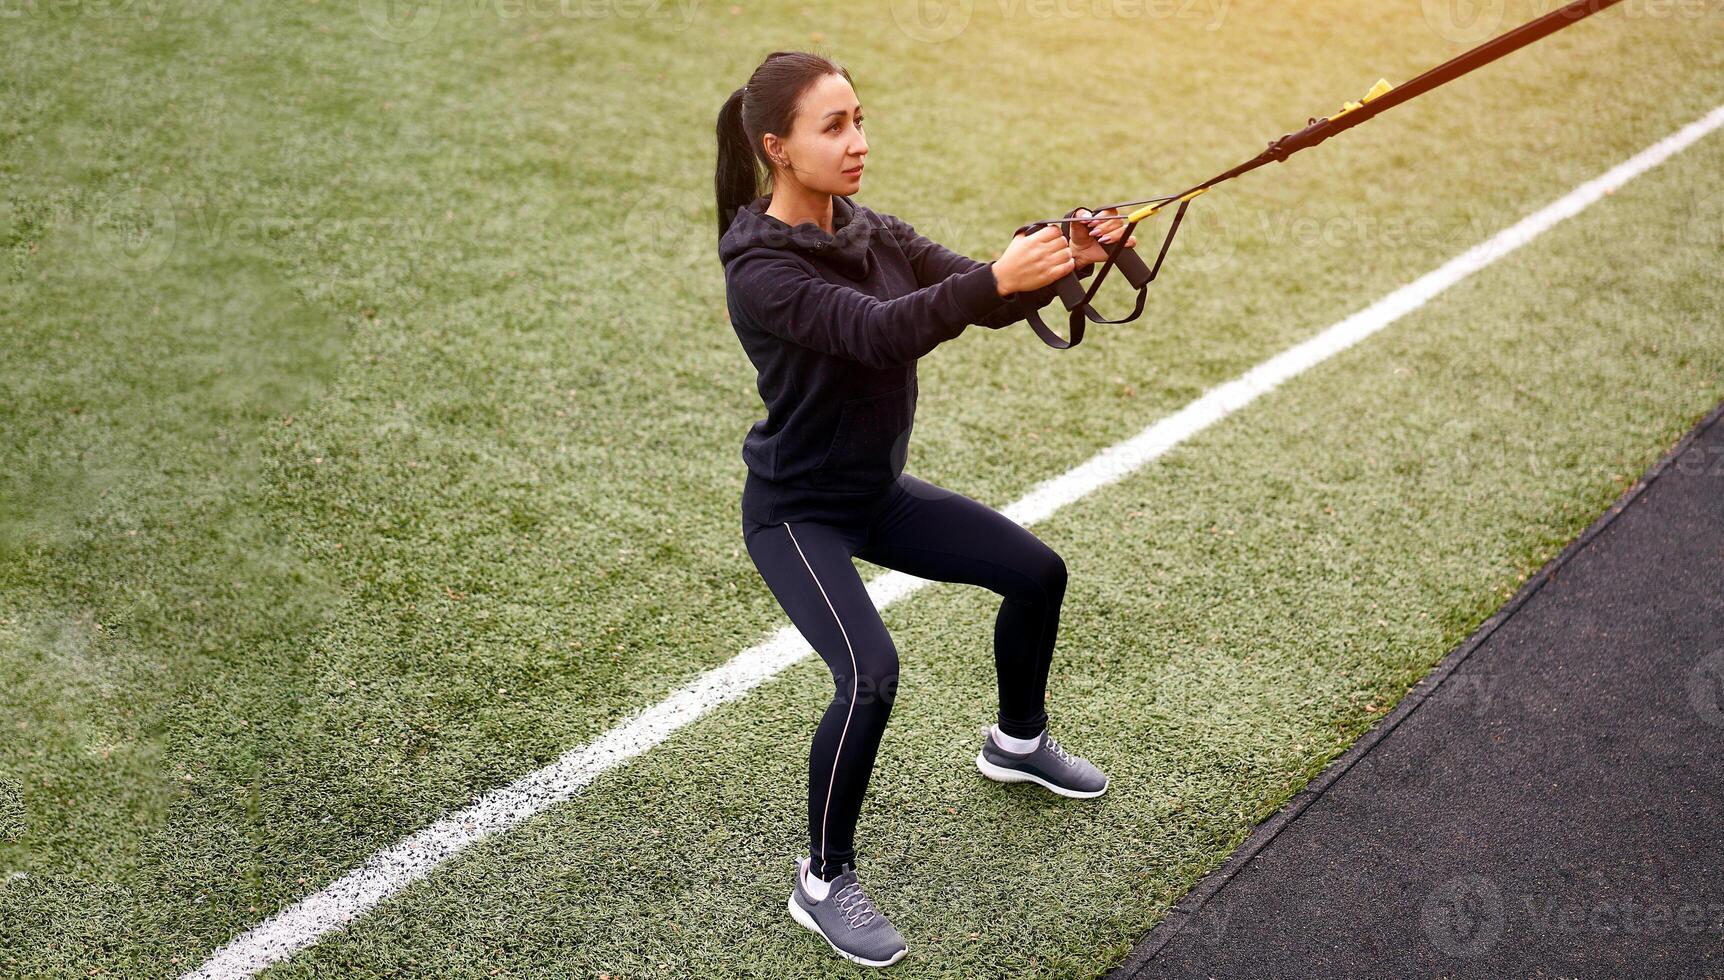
[1090, 240]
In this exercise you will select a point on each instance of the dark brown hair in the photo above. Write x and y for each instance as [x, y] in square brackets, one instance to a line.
[767, 104]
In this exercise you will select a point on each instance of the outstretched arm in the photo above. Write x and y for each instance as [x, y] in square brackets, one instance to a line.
[934, 263]
[782, 296]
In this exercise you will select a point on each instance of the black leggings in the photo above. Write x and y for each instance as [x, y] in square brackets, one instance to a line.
[931, 533]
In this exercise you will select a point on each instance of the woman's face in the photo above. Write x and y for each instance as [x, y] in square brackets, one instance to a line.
[826, 146]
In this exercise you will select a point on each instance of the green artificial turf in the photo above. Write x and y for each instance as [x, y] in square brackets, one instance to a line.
[371, 428]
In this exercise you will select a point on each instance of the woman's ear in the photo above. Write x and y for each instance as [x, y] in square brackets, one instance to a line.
[772, 145]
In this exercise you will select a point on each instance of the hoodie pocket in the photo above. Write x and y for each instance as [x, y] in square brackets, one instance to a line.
[871, 442]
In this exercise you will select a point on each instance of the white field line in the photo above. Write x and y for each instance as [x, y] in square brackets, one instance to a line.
[390, 870]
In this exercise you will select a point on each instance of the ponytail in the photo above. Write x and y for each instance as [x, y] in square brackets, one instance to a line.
[737, 181]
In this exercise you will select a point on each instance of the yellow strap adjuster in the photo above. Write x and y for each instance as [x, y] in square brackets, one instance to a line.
[1376, 90]
[1147, 210]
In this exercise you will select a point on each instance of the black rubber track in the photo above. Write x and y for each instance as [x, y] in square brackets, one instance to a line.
[1548, 802]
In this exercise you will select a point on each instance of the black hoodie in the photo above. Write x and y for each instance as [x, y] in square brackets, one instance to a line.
[834, 324]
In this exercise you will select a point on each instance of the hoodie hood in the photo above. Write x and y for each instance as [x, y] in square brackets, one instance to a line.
[846, 249]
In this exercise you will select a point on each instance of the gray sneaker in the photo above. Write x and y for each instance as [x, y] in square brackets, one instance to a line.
[1050, 765]
[847, 920]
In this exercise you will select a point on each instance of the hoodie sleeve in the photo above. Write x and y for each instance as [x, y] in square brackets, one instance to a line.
[783, 296]
[934, 262]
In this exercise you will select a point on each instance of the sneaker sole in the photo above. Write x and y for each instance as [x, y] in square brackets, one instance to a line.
[801, 916]
[1004, 775]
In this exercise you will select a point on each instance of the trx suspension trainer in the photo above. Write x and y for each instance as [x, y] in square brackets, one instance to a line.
[1380, 98]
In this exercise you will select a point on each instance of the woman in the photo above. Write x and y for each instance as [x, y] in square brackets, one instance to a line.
[833, 303]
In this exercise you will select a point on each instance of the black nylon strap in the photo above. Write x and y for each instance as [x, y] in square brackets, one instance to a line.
[1319, 130]
[1316, 131]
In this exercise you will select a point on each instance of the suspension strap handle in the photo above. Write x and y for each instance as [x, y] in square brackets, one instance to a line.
[1078, 300]
[1068, 288]
[1071, 290]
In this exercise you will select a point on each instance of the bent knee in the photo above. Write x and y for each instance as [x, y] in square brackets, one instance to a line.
[1054, 575]
[875, 681]
[1044, 578]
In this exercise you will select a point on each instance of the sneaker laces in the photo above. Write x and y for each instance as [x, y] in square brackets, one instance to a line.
[1059, 750]
[858, 910]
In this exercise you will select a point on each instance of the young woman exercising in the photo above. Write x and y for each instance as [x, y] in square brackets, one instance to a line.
[833, 303]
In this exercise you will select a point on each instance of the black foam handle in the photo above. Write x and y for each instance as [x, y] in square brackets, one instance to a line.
[1070, 290]
[1129, 263]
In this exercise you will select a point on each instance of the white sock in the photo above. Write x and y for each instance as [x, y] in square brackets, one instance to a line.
[1017, 745]
[813, 884]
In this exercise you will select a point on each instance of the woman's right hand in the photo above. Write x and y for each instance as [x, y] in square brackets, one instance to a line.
[1032, 261]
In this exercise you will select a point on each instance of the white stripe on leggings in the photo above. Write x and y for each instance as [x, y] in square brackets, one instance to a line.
[853, 689]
